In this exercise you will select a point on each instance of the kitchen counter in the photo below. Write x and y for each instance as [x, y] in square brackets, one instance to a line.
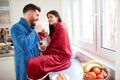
[11, 53]
[6, 49]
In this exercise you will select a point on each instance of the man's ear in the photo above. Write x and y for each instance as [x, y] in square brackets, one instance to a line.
[29, 13]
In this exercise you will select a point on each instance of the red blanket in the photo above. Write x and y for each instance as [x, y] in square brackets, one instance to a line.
[56, 57]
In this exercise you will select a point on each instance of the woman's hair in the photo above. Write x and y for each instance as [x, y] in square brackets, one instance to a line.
[56, 14]
[51, 27]
[51, 30]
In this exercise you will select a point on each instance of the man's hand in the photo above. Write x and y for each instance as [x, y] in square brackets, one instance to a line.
[38, 28]
[41, 54]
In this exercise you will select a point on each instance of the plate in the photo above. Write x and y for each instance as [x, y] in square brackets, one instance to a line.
[55, 77]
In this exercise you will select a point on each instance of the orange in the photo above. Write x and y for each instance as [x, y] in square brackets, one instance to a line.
[91, 75]
[100, 76]
[96, 70]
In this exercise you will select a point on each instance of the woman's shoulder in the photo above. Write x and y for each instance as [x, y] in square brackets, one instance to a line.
[60, 25]
[61, 28]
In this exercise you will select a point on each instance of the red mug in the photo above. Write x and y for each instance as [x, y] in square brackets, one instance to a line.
[41, 35]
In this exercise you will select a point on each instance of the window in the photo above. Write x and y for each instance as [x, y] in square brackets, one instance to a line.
[94, 26]
[108, 24]
[84, 15]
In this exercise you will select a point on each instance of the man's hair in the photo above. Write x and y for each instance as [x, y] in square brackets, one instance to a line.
[31, 7]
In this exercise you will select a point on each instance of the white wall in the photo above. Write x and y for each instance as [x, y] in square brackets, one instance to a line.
[16, 9]
[67, 14]
[45, 5]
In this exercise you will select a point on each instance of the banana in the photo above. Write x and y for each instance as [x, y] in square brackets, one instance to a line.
[96, 62]
[93, 63]
[90, 66]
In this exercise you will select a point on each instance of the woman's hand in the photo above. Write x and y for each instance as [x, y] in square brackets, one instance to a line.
[46, 34]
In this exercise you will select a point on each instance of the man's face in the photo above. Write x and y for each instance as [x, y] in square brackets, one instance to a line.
[34, 17]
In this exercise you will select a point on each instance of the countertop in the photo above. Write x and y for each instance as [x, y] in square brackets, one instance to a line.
[11, 53]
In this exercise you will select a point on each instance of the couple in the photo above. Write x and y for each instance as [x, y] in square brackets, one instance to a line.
[26, 39]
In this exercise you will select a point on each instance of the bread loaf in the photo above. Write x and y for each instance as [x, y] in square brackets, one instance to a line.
[61, 76]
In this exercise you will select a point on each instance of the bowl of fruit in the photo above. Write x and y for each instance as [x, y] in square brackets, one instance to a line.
[94, 70]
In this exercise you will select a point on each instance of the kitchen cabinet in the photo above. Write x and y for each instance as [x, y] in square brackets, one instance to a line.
[7, 68]
[5, 24]
[5, 11]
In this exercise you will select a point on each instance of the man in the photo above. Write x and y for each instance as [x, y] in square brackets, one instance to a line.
[25, 39]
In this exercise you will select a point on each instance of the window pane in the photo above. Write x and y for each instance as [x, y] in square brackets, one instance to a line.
[87, 21]
[109, 24]
[83, 21]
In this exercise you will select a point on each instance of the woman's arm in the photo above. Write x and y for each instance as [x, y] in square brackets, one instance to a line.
[48, 39]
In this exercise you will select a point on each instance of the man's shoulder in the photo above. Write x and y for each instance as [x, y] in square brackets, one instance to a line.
[16, 26]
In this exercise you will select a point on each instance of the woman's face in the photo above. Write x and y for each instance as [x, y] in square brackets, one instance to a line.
[52, 19]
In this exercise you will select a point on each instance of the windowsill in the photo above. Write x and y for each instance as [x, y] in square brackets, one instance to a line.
[96, 57]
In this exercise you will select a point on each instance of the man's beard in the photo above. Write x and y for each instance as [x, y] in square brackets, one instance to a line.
[33, 24]
[33, 21]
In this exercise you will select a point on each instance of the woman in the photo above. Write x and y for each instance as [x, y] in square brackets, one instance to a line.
[58, 53]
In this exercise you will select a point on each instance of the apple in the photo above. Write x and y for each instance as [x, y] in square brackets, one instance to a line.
[104, 73]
